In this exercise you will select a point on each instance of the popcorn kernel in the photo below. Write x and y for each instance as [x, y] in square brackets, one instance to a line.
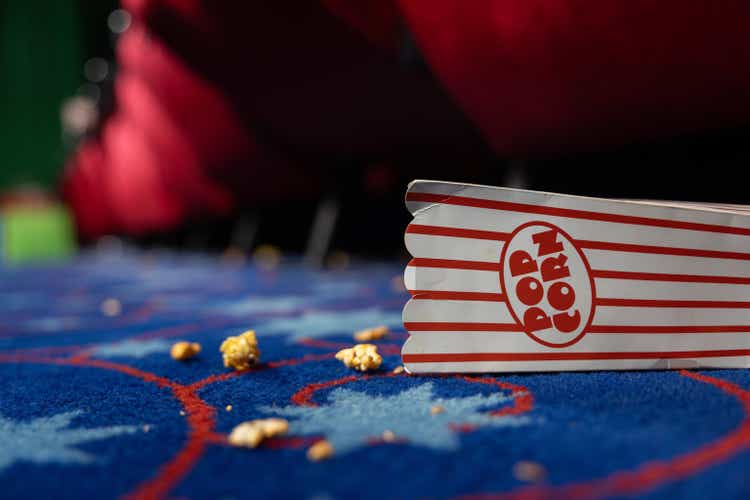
[246, 435]
[267, 257]
[389, 436]
[362, 357]
[529, 471]
[274, 426]
[182, 351]
[240, 352]
[251, 434]
[370, 334]
[397, 370]
[437, 409]
[111, 307]
[321, 450]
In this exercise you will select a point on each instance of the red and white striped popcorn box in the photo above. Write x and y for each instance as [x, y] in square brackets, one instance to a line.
[510, 280]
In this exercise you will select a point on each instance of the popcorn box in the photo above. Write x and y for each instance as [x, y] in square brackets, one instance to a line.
[510, 280]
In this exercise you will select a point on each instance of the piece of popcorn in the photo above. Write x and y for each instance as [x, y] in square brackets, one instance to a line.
[529, 471]
[240, 352]
[185, 350]
[267, 257]
[437, 409]
[362, 357]
[274, 426]
[397, 370]
[111, 307]
[370, 334]
[251, 434]
[321, 450]
[246, 435]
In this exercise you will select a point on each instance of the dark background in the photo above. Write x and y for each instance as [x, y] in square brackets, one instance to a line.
[44, 47]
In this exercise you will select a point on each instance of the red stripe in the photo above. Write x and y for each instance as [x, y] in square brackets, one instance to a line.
[566, 356]
[455, 264]
[596, 273]
[499, 297]
[587, 244]
[438, 326]
[457, 232]
[682, 278]
[573, 214]
[669, 329]
[686, 252]
[719, 304]
[448, 295]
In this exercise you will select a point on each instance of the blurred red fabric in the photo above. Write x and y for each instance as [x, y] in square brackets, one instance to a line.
[220, 104]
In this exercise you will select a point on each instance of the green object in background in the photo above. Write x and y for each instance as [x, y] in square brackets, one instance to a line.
[34, 234]
[40, 65]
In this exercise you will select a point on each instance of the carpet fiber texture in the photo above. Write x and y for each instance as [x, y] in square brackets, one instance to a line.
[92, 405]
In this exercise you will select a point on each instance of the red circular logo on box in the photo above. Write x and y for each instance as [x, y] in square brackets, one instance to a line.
[547, 283]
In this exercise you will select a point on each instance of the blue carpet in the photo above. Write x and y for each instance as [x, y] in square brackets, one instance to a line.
[92, 405]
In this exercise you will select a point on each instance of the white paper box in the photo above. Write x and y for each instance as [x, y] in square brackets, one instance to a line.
[508, 280]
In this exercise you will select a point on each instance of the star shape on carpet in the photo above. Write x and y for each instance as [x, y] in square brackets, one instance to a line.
[49, 440]
[313, 324]
[352, 418]
[255, 305]
[131, 348]
[52, 324]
